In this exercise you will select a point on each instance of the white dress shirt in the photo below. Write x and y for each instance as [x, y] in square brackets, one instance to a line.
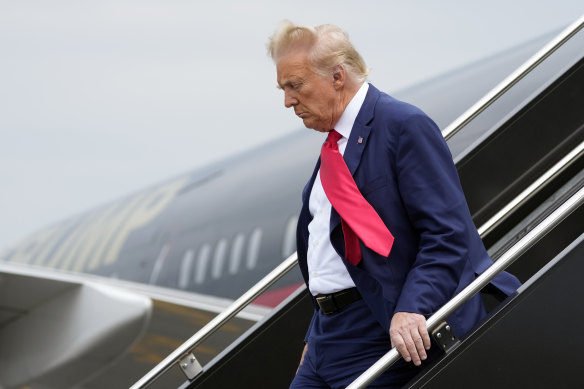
[326, 270]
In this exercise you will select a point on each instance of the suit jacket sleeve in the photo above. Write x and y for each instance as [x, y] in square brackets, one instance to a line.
[436, 207]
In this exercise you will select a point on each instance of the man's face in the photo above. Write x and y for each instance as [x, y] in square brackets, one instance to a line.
[315, 98]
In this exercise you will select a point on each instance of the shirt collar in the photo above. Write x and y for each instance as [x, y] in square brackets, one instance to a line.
[345, 123]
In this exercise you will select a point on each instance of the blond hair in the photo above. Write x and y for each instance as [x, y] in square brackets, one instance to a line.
[328, 47]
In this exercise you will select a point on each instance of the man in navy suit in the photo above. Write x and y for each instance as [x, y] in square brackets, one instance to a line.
[404, 170]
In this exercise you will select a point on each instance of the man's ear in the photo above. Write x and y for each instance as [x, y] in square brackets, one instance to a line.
[339, 77]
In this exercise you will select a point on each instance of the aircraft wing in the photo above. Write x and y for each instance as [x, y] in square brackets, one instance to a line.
[60, 330]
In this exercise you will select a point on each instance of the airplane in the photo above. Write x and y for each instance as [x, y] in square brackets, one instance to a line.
[188, 245]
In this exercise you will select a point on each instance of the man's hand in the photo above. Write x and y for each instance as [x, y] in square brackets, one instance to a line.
[302, 357]
[409, 334]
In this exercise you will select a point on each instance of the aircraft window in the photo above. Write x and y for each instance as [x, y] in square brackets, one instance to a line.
[236, 253]
[219, 258]
[186, 269]
[158, 264]
[253, 250]
[202, 263]
[289, 244]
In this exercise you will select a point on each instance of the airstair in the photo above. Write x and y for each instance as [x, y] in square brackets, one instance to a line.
[520, 157]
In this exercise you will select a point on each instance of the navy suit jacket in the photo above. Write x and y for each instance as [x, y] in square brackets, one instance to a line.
[404, 169]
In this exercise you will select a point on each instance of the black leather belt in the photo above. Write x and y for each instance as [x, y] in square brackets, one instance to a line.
[334, 302]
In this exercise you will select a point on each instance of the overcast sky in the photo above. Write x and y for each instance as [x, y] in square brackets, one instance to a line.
[99, 99]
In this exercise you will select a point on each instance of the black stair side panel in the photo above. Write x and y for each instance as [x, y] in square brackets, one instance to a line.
[526, 145]
[535, 341]
[267, 355]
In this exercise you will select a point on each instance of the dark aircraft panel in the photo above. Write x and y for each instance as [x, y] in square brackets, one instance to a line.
[527, 145]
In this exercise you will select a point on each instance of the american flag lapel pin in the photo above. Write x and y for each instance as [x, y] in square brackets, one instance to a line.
[360, 140]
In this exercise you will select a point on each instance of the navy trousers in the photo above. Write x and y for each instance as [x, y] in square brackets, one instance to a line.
[343, 345]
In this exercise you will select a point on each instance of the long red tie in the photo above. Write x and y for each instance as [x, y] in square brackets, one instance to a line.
[358, 218]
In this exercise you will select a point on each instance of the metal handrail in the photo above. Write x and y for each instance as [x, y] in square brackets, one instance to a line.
[238, 305]
[479, 283]
[513, 78]
[525, 195]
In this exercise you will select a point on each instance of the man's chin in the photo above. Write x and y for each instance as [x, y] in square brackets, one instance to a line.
[313, 126]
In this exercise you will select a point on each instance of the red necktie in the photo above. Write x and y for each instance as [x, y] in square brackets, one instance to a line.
[358, 218]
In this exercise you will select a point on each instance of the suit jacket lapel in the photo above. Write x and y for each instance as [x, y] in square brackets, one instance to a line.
[360, 131]
[355, 146]
[308, 187]
[358, 140]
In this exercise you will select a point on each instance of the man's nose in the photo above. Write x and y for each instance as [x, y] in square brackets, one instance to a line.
[289, 100]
